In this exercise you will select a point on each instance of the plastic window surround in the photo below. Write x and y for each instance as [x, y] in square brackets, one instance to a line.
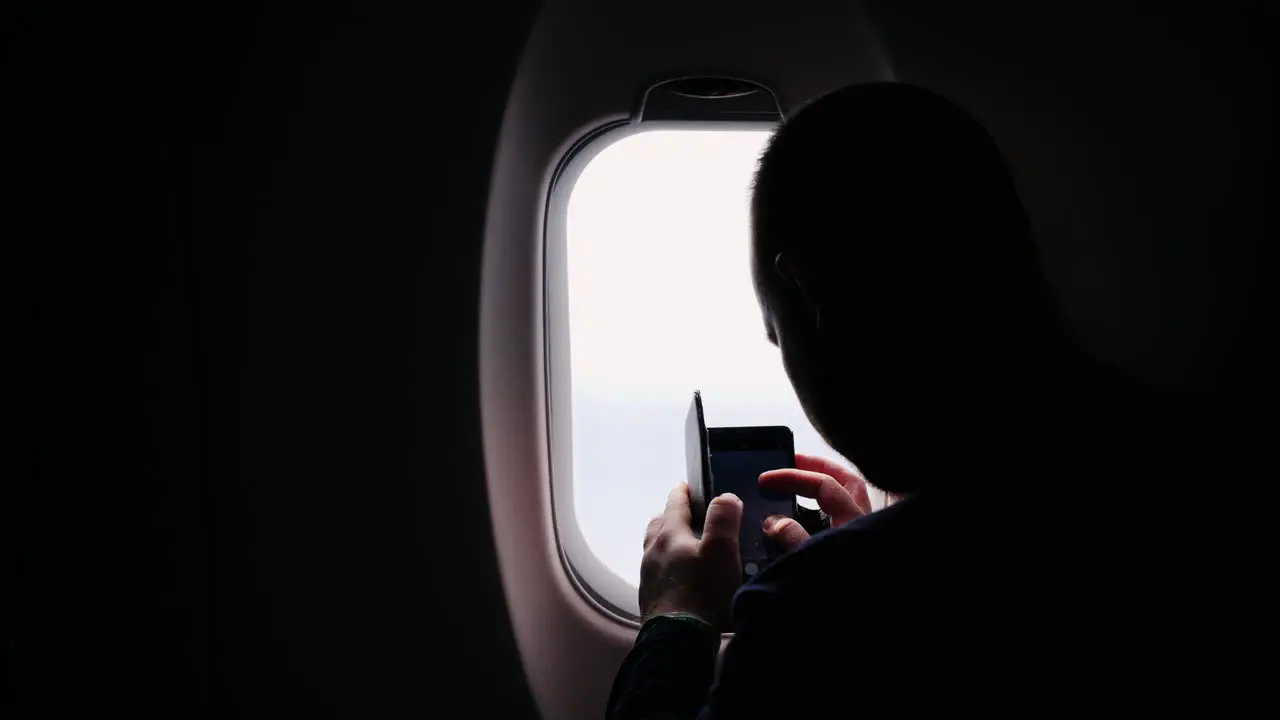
[603, 588]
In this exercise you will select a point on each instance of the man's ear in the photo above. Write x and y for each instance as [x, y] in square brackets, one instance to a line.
[799, 284]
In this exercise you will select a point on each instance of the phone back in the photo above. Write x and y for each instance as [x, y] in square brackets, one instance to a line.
[697, 456]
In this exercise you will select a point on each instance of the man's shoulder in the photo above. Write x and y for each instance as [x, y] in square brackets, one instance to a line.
[902, 528]
[888, 530]
[858, 557]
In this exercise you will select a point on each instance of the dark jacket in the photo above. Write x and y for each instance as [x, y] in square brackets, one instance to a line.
[1082, 589]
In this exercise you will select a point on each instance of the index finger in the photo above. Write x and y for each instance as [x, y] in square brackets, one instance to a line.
[816, 463]
[677, 513]
[832, 499]
[849, 479]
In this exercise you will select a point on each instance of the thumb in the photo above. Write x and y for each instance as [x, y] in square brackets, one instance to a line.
[784, 531]
[720, 530]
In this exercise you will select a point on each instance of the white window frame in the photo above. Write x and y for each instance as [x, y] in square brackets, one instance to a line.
[599, 585]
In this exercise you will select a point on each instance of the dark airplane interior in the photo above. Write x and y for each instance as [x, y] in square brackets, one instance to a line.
[276, 305]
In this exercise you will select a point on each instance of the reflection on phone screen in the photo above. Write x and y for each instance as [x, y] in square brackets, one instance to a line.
[738, 472]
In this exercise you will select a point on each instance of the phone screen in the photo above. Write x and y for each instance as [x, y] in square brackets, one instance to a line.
[738, 472]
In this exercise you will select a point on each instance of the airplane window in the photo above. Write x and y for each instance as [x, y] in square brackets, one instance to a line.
[660, 303]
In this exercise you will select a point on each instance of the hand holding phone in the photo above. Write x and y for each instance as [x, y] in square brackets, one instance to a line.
[730, 460]
[686, 572]
[739, 456]
[841, 494]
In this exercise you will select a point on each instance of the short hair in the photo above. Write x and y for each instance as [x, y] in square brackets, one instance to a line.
[894, 177]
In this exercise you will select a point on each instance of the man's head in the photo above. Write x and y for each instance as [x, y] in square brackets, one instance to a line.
[897, 274]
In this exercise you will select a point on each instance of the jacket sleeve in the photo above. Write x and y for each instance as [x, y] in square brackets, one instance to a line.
[668, 672]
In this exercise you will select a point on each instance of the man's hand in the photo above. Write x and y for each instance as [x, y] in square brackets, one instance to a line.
[841, 493]
[679, 572]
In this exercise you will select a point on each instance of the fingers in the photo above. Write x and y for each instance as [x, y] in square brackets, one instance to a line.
[785, 532]
[849, 479]
[651, 531]
[677, 513]
[831, 496]
[720, 531]
[816, 463]
[675, 522]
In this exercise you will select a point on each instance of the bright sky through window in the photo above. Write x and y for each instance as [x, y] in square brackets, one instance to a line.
[661, 304]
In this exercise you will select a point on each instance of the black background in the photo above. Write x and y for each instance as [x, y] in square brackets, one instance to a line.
[239, 257]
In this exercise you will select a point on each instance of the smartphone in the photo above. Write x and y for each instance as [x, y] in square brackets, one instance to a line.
[738, 457]
[697, 454]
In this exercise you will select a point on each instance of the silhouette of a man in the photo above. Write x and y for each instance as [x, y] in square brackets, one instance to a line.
[1041, 546]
